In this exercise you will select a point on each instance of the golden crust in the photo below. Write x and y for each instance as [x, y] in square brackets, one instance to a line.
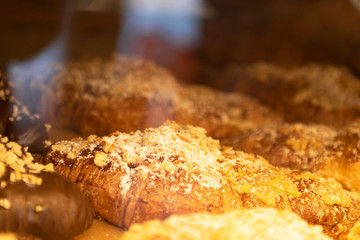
[261, 223]
[316, 148]
[342, 158]
[295, 146]
[322, 94]
[176, 169]
[146, 175]
[128, 94]
[316, 199]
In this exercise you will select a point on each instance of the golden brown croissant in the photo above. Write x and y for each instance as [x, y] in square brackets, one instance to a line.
[134, 177]
[177, 169]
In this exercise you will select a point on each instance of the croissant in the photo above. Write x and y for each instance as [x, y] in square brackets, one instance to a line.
[146, 175]
[177, 169]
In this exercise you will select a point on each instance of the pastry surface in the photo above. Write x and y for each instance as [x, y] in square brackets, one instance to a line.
[177, 169]
[317, 148]
[322, 94]
[102, 96]
[261, 223]
[221, 114]
[134, 177]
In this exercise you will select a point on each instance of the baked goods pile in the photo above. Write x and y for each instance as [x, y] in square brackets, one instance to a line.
[154, 155]
[128, 94]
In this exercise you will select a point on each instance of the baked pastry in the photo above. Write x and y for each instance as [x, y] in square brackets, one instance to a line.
[100, 97]
[317, 200]
[35, 201]
[146, 175]
[221, 114]
[322, 94]
[177, 169]
[294, 146]
[260, 223]
[354, 233]
[131, 178]
[316, 148]
[17, 123]
[342, 158]
[128, 94]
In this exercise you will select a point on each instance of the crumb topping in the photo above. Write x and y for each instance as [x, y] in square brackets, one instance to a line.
[4, 89]
[308, 141]
[19, 163]
[173, 150]
[325, 86]
[233, 109]
[208, 100]
[122, 77]
[168, 150]
[296, 146]
[19, 111]
[253, 174]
